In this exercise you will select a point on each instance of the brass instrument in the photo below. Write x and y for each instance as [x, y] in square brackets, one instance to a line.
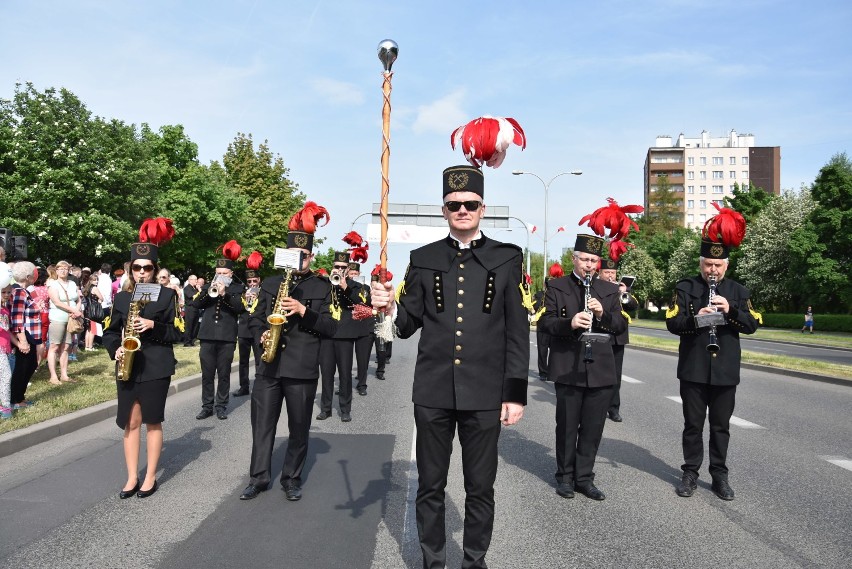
[130, 341]
[277, 319]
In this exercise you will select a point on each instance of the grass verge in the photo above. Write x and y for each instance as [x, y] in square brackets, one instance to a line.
[95, 377]
[827, 339]
[780, 362]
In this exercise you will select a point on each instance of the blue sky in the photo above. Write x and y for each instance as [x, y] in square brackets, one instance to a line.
[591, 83]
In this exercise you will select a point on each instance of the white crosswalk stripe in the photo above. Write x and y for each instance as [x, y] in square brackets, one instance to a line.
[628, 379]
[742, 423]
[840, 461]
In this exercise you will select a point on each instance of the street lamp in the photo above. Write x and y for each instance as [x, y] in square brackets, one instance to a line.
[527, 229]
[546, 187]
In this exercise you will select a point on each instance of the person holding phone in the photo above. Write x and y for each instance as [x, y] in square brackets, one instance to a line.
[609, 269]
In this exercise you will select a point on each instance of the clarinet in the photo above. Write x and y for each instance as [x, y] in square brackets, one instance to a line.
[587, 282]
[713, 346]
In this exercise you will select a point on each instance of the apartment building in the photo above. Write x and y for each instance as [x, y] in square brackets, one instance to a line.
[704, 169]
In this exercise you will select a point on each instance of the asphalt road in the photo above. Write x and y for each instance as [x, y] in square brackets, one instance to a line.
[816, 353]
[790, 461]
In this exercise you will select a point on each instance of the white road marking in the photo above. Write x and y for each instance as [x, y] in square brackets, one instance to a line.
[742, 423]
[629, 379]
[840, 461]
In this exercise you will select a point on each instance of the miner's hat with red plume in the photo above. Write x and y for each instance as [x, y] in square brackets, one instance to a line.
[152, 234]
[230, 253]
[253, 263]
[303, 225]
[724, 230]
[555, 271]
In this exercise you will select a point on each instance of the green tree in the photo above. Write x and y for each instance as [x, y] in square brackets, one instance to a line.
[683, 261]
[748, 201]
[271, 197]
[665, 211]
[649, 279]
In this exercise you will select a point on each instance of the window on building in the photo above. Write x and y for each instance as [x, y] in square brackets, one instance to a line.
[703, 174]
[745, 174]
[703, 160]
[718, 174]
[702, 189]
[702, 204]
[718, 160]
[732, 174]
[702, 217]
[718, 189]
[745, 160]
[690, 204]
[731, 188]
[690, 217]
[690, 175]
[733, 161]
[690, 189]
[690, 161]
[719, 203]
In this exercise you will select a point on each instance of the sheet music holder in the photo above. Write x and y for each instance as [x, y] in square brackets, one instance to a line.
[146, 291]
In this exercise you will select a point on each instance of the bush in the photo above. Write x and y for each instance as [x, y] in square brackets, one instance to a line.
[645, 314]
[822, 322]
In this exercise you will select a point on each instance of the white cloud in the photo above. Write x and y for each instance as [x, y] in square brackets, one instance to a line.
[337, 92]
[441, 116]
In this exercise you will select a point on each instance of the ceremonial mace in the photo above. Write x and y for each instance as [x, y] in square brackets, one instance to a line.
[388, 52]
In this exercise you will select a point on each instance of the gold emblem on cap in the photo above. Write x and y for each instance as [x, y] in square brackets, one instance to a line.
[595, 245]
[143, 249]
[220, 262]
[717, 251]
[458, 180]
[301, 240]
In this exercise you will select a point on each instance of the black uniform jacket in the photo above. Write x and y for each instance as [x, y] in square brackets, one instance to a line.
[695, 363]
[566, 296]
[189, 292]
[474, 349]
[156, 358]
[220, 313]
[297, 356]
[348, 328]
[630, 305]
[243, 330]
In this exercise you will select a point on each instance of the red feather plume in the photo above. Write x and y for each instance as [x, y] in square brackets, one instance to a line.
[727, 226]
[254, 261]
[486, 139]
[358, 254]
[354, 239]
[307, 218]
[617, 248]
[156, 231]
[556, 271]
[377, 270]
[230, 250]
[322, 271]
[614, 218]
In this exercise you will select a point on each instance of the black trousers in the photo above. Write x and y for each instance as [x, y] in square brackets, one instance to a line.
[542, 341]
[580, 418]
[190, 320]
[247, 347]
[618, 352]
[25, 367]
[478, 435]
[266, 401]
[363, 348]
[697, 399]
[336, 354]
[216, 359]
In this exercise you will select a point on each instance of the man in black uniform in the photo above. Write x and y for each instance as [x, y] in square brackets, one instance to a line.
[709, 379]
[190, 316]
[337, 353]
[471, 371]
[247, 341]
[222, 301]
[583, 388]
[609, 270]
[292, 374]
[542, 340]
[360, 294]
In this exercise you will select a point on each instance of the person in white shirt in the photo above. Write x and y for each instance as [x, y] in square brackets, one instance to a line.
[105, 287]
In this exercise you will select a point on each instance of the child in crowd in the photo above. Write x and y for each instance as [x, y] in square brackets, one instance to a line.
[8, 343]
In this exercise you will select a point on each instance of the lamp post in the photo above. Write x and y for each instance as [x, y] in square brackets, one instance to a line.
[546, 187]
[527, 229]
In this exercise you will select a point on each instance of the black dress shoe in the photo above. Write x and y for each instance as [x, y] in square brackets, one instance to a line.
[125, 494]
[565, 490]
[380, 375]
[687, 485]
[221, 415]
[590, 491]
[362, 390]
[345, 417]
[722, 489]
[614, 416]
[251, 492]
[323, 415]
[241, 392]
[293, 490]
[146, 493]
[204, 414]
[542, 376]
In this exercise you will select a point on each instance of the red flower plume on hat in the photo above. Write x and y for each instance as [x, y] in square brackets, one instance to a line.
[354, 239]
[727, 226]
[486, 139]
[322, 271]
[156, 231]
[254, 260]
[617, 248]
[358, 249]
[358, 254]
[377, 271]
[307, 218]
[230, 250]
[555, 271]
[613, 217]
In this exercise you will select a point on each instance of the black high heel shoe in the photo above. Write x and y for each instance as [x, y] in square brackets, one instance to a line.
[125, 494]
[146, 493]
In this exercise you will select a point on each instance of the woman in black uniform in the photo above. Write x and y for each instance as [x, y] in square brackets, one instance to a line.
[142, 393]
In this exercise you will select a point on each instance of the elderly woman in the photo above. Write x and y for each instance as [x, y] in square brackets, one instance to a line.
[142, 389]
[25, 322]
[65, 303]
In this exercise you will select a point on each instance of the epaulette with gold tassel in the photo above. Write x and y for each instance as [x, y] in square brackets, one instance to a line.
[179, 323]
[526, 297]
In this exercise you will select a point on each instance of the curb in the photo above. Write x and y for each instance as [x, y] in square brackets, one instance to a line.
[22, 439]
[787, 342]
[758, 367]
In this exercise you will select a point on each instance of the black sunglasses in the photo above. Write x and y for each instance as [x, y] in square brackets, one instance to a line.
[142, 268]
[471, 205]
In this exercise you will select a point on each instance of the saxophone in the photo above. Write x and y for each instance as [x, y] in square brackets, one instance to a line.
[277, 319]
[130, 342]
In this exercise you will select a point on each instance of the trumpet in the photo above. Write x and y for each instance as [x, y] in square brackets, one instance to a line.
[217, 287]
[335, 278]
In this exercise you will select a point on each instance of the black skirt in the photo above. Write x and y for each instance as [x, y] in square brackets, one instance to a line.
[151, 396]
